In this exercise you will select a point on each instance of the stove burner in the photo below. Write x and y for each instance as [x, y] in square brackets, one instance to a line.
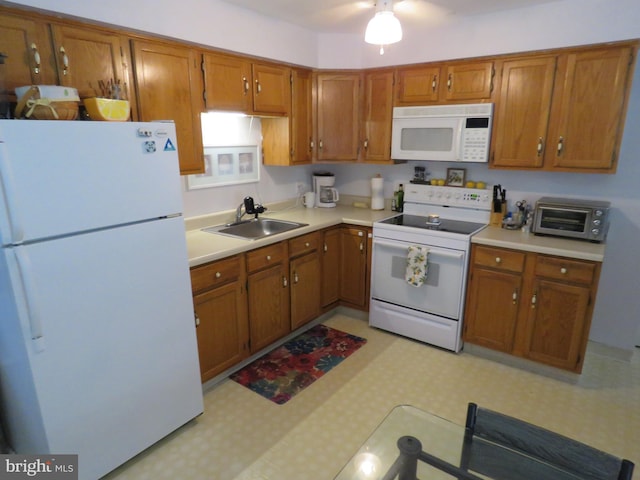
[442, 224]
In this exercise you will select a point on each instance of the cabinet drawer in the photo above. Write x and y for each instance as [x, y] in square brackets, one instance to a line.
[304, 244]
[266, 256]
[500, 258]
[215, 274]
[565, 269]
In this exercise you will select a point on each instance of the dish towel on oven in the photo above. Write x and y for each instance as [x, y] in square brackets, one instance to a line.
[417, 265]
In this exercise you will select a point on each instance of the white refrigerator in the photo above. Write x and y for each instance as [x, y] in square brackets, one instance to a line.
[98, 352]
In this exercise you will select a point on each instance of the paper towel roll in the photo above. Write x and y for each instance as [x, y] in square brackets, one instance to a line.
[377, 193]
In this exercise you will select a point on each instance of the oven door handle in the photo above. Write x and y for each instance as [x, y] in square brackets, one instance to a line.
[443, 253]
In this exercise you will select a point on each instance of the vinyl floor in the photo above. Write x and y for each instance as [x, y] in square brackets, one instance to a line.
[242, 436]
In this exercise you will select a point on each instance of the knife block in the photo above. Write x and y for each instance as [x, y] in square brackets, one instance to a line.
[497, 217]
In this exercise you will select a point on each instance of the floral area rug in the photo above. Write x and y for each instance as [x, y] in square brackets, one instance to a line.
[287, 370]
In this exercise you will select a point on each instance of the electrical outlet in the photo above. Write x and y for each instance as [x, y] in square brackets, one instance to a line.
[300, 188]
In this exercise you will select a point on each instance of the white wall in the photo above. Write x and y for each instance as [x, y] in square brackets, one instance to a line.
[556, 24]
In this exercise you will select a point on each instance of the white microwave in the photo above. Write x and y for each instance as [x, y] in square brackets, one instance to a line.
[445, 133]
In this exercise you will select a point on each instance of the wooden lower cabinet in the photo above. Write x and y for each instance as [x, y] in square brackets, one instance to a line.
[354, 270]
[268, 295]
[491, 320]
[304, 275]
[330, 283]
[249, 301]
[220, 304]
[531, 305]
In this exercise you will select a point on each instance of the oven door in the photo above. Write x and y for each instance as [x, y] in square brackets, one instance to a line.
[441, 294]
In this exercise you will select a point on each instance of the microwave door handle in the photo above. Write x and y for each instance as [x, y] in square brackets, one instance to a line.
[458, 142]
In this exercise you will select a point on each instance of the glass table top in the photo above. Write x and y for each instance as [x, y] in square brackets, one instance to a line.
[443, 441]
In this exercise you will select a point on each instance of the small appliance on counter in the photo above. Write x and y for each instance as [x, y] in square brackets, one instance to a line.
[572, 218]
[326, 194]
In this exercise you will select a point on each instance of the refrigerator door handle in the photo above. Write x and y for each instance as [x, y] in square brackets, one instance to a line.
[6, 184]
[28, 287]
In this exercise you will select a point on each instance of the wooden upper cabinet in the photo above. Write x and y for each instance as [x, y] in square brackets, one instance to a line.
[235, 84]
[169, 87]
[588, 115]
[442, 83]
[563, 112]
[271, 89]
[337, 116]
[288, 140]
[378, 112]
[469, 81]
[27, 49]
[522, 112]
[227, 82]
[301, 117]
[417, 85]
[86, 56]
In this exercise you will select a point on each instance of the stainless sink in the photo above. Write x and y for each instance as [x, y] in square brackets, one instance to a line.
[255, 228]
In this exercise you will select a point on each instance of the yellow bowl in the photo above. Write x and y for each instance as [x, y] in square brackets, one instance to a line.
[107, 109]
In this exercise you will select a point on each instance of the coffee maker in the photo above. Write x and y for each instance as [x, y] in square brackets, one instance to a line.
[326, 195]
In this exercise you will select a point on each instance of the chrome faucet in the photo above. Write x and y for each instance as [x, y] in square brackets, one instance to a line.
[249, 207]
[239, 213]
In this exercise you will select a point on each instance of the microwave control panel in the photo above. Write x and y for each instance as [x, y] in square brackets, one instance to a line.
[475, 140]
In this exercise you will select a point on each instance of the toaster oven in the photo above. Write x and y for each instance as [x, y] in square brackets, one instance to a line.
[571, 218]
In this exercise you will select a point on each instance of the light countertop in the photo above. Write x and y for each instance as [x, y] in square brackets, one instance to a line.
[518, 240]
[203, 247]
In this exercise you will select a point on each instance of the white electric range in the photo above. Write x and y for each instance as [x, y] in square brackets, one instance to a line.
[442, 219]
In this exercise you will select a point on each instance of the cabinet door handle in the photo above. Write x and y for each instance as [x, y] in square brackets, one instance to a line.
[295, 277]
[320, 144]
[245, 85]
[197, 319]
[258, 86]
[434, 83]
[449, 82]
[540, 146]
[534, 299]
[563, 271]
[284, 282]
[306, 244]
[36, 58]
[325, 248]
[361, 247]
[65, 61]
[311, 144]
[514, 296]
[498, 260]
[361, 234]
[366, 143]
[218, 274]
[560, 145]
[268, 258]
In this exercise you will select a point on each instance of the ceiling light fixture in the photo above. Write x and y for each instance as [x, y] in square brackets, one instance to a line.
[384, 28]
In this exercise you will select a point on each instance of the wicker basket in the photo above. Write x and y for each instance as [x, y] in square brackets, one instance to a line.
[32, 105]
